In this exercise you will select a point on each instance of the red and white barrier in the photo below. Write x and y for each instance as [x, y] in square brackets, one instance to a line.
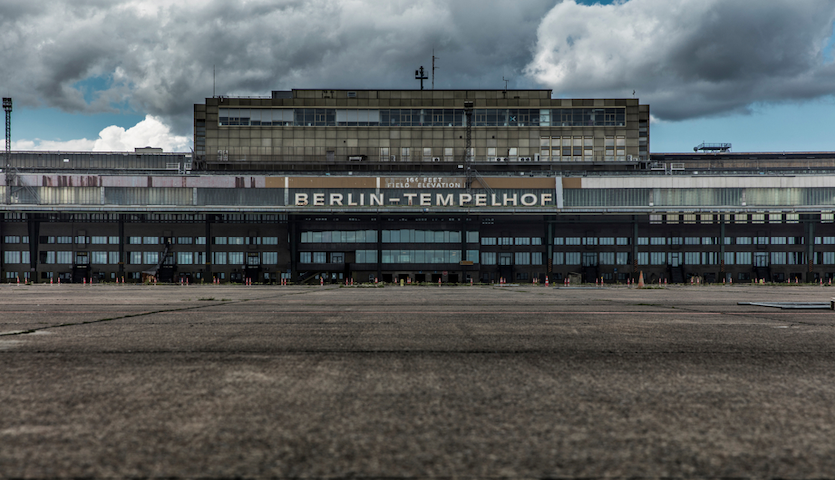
[546, 280]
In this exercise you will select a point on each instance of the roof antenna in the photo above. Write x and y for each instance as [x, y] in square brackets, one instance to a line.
[433, 68]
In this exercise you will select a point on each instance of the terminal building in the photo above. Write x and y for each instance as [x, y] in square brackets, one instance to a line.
[440, 185]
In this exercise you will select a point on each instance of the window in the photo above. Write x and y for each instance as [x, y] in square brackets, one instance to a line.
[11, 257]
[135, 240]
[658, 258]
[199, 240]
[657, 241]
[63, 258]
[235, 241]
[236, 258]
[150, 240]
[589, 240]
[622, 258]
[98, 240]
[113, 258]
[559, 258]
[269, 258]
[488, 258]
[366, 256]
[253, 258]
[184, 241]
[692, 240]
[185, 258]
[488, 240]
[559, 241]
[572, 258]
[536, 258]
[643, 240]
[643, 258]
[113, 240]
[505, 240]
[150, 258]
[522, 241]
[99, 258]
[523, 258]
[269, 241]
[219, 258]
[606, 241]
[607, 258]
[572, 240]
[218, 240]
[11, 239]
[504, 259]
[624, 241]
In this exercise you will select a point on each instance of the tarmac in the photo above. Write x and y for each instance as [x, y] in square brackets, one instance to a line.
[415, 382]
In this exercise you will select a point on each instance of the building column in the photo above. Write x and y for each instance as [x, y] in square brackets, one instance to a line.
[121, 272]
[291, 223]
[208, 259]
[34, 227]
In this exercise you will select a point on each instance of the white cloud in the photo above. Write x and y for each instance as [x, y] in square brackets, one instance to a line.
[150, 132]
[688, 58]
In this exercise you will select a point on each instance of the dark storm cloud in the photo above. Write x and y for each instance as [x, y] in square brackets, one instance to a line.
[685, 57]
[689, 58]
[159, 55]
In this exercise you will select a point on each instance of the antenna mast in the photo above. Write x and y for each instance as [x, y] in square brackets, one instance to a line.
[420, 75]
[433, 68]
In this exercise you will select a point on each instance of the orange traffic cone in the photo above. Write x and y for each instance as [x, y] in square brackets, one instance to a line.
[641, 280]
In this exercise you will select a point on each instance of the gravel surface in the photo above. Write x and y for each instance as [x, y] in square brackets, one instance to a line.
[471, 382]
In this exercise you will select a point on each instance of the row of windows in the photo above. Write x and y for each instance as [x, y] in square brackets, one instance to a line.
[511, 241]
[426, 117]
[15, 239]
[593, 241]
[340, 236]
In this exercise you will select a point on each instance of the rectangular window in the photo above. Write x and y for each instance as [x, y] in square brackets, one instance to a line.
[235, 241]
[11, 257]
[536, 258]
[98, 240]
[589, 240]
[269, 258]
[11, 239]
[488, 240]
[523, 258]
[607, 258]
[184, 241]
[572, 258]
[778, 258]
[658, 258]
[504, 259]
[236, 258]
[643, 240]
[150, 258]
[219, 258]
[99, 258]
[559, 241]
[113, 240]
[64, 239]
[624, 241]
[63, 258]
[150, 240]
[658, 241]
[643, 258]
[559, 258]
[692, 240]
[269, 241]
[488, 258]
[366, 256]
[218, 240]
[113, 258]
[320, 257]
[606, 241]
[199, 240]
[185, 258]
[505, 240]
[622, 258]
[522, 241]
[572, 240]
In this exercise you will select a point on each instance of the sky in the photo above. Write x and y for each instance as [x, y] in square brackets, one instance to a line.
[113, 75]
